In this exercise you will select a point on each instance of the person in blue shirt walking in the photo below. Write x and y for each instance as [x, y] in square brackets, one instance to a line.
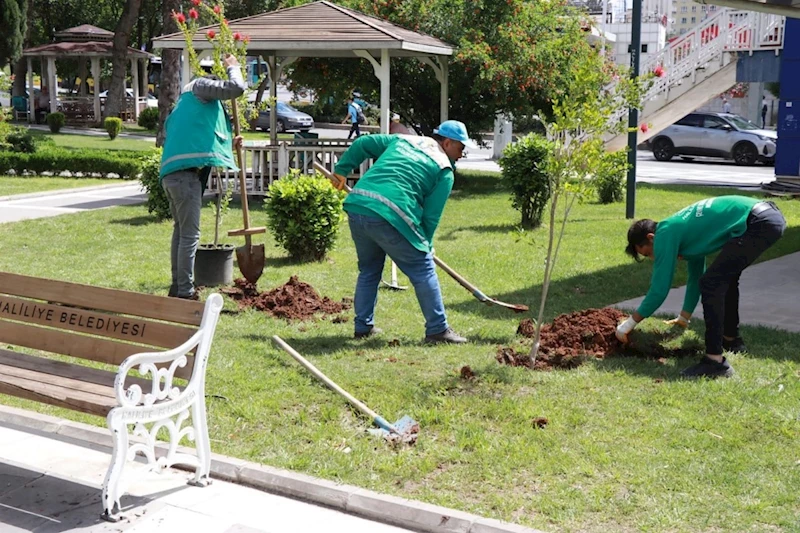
[199, 137]
[352, 116]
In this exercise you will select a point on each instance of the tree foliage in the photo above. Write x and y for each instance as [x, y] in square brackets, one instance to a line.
[13, 21]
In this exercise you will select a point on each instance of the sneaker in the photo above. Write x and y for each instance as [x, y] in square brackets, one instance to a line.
[371, 333]
[194, 296]
[708, 368]
[735, 346]
[448, 336]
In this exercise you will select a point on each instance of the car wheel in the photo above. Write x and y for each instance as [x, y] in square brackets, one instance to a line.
[745, 154]
[663, 150]
[281, 126]
[687, 158]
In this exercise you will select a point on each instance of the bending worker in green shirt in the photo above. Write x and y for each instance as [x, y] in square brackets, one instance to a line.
[740, 228]
[394, 210]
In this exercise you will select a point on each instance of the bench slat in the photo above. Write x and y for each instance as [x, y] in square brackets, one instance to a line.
[94, 322]
[113, 300]
[76, 345]
[101, 381]
[56, 395]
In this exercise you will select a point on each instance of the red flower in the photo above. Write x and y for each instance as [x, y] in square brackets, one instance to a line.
[644, 127]
[193, 14]
[211, 34]
[179, 17]
[225, 21]
[196, 2]
[659, 71]
[217, 10]
[237, 36]
[246, 39]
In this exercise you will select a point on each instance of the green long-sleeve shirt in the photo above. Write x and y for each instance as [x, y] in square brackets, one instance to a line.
[691, 234]
[408, 185]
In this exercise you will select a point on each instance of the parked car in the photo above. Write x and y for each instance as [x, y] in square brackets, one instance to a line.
[152, 101]
[720, 135]
[289, 119]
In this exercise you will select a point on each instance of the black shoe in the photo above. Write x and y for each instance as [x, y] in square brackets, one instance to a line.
[371, 333]
[194, 296]
[447, 336]
[708, 368]
[735, 346]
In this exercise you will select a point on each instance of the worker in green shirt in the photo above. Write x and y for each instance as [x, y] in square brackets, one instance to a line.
[738, 227]
[394, 210]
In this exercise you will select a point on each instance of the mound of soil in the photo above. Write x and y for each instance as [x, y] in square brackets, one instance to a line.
[572, 338]
[295, 300]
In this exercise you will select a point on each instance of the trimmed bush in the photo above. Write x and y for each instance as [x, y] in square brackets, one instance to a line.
[56, 121]
[609, 178]
[148, 119]
[157, 201]
[112, 125]
[304, 213]
[21, 140]
[84, 161]
[523, 173]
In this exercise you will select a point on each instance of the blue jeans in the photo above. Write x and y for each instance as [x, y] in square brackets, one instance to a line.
[375, 239]
[185, 192]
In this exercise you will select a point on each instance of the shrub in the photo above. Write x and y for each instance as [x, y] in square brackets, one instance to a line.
[157, 201]
[21, 140]
[125, 164]
[609, 177]
[112, 125]
[56, 121]
[523, 173]
[148, 119]
[304, 213]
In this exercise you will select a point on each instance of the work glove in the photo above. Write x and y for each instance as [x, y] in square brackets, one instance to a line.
[338, 181]
[624, 329]
[678, 321]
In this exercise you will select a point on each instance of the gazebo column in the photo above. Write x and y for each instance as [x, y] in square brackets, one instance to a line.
[383, 74]
[439, 64]
[275, 66]
[135, 83]
[96, 81]
[186, 69]
[82, 75]
[31, 107]
[52, 82]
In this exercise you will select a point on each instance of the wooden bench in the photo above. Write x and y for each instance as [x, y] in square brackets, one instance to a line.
[151, 389]
[78, 110]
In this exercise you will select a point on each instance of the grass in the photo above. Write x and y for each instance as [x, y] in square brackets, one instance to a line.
[628, 447]
[10, 185]
[66, 140]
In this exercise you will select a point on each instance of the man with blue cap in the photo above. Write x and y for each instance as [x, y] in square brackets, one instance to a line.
[394, 210]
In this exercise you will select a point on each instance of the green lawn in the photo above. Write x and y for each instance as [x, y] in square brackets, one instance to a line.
[628, 447]
[10, 185]
[66, 140]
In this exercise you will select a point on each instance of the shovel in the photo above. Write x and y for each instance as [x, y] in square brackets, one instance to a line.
[250, 258]
[476, 292]
[404, 430]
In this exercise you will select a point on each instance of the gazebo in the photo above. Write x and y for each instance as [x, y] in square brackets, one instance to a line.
[324, 29]
[81, 42]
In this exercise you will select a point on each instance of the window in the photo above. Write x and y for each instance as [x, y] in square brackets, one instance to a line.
[712, 8]
[683, 9]
[690, 120]
[683, 30]
[694, 19]
[714, 123]
[694, 9]
[683, 20]
[644, 48]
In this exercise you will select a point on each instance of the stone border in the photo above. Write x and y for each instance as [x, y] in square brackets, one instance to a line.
[409, 514]
[56, 192]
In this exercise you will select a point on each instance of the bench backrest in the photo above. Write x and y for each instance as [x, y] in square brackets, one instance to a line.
[86, 322]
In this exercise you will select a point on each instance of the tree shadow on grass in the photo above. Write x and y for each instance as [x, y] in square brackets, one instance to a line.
[489, 228]
[138, 221]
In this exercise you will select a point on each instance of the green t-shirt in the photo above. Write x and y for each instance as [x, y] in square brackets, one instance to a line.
[691, 234]
[408, 185]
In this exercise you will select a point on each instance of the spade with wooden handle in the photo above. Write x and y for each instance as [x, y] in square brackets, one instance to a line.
[250, 257]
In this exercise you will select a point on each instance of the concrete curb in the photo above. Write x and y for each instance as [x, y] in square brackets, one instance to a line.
[409, 514]
[13, 197]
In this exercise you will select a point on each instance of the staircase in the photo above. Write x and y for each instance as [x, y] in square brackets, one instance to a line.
[700, 65]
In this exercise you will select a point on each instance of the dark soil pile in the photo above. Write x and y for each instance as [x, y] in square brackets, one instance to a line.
[295, 300]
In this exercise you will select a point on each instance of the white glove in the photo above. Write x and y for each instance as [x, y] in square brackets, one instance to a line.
[678, 321]
[624, 329]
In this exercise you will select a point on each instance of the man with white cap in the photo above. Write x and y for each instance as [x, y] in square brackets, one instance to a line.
[394, 210]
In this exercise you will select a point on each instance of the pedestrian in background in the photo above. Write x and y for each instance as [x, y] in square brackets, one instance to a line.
[764, 110]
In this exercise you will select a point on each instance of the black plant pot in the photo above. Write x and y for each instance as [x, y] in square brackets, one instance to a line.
[213, 265]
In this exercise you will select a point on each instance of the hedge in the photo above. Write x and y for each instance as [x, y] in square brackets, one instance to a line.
[127, 165]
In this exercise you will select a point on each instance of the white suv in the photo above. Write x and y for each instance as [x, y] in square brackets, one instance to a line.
[715, 135]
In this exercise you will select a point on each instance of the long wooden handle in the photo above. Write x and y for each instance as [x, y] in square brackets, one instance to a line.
[456, 276]
[323, 378]
[240, 163]
[328, 174]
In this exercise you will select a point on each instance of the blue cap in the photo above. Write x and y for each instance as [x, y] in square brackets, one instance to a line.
[453, 129]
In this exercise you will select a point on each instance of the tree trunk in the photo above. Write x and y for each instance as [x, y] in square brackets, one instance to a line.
[21, 66]
[169, 87]
[116, 92]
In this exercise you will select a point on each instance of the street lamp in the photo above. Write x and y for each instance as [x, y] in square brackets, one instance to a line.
[633, 113]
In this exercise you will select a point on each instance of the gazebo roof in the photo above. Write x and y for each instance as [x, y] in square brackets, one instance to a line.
[81, 49]
[321, 29]
[85, 32]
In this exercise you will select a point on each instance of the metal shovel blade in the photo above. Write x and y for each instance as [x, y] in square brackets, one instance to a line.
[250, 258]
[404, 430]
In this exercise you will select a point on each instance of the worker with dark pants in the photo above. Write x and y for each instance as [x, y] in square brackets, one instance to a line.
[741, 229]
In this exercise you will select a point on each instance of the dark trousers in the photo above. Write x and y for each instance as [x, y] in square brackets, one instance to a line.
[719, 286]
[354, 129]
